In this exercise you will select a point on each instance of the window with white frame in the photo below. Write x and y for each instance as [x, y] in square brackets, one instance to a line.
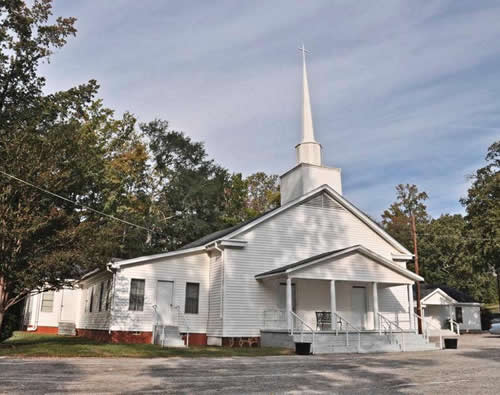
[192, 298]
[47, 302]
[136, 298]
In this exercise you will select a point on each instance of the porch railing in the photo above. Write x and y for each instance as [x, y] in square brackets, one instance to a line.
[391, 329]
[341, 320]
[454, 326]
[275, 319]
[179, 317]
[300, 324]
[426, 331]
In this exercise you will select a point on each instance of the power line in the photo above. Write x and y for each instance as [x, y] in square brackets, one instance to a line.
[76, 203]
[455, 237]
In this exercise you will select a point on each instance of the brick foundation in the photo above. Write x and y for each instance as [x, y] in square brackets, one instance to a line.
[237, 342]
[117, 336]
[46, 330]
[196, 339]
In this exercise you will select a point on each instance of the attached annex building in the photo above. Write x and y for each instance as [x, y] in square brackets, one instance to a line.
[315, 258]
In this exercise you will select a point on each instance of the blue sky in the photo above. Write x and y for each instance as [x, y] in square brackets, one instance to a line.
[402, 91]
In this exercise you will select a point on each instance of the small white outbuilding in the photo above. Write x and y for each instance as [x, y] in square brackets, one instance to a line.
[440, 303]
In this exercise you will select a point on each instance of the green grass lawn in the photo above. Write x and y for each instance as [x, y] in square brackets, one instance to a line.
[23, 344]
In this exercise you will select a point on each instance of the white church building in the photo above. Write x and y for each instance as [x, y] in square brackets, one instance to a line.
[316, 269]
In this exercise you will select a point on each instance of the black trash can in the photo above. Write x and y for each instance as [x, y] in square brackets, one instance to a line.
[302, 348]
[451, 343]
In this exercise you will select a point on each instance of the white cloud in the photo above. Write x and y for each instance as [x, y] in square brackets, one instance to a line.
[401, 91]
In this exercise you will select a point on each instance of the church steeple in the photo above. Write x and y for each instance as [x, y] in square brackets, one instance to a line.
[309, 172]
[308, 151]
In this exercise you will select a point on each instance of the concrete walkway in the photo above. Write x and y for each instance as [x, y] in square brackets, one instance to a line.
[473, 368]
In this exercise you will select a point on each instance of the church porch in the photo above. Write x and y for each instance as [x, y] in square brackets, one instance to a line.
[338, 305]
[349, 300]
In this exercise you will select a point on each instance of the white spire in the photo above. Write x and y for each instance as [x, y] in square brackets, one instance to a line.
[308, 151]
[307, 123]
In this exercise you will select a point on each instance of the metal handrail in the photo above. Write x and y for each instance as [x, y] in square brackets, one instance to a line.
[302, 329]
[426, 330]
[337, 315]
[179, 313]
[457, 326]
[391, 324]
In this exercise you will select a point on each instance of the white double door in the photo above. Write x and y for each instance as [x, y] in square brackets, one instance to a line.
[358, 307]
[165, 302]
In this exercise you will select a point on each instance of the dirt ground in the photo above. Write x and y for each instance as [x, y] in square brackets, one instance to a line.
[471, 369]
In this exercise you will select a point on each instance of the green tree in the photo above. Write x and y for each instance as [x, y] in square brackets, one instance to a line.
[188, 189]
[41, 141]
[447, 260]
[263, 193]
[396, 219]
[41, 236]
[482, 205]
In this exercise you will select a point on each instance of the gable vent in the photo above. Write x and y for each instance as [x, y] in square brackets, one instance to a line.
[323, 201]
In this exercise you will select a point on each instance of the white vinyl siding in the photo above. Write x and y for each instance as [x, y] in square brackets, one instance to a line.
[95, 319]
[295, 234]
[180, 270]
[67, 297]
[214, 327]
[353, 266]
[471, 317]
[393, 304]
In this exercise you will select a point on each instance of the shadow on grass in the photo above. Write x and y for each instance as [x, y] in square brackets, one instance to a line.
[33, 345]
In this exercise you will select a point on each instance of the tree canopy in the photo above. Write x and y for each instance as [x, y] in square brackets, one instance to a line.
[461, 252]
[79, 185]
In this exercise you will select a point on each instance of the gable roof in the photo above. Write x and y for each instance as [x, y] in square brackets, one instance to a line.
[224, 234]
[245, 226]
[336, 253]
[426, 290]
[207, 239]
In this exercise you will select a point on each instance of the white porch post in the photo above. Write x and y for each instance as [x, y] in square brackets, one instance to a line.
[410, 306]
[333, 305]
[375, 305]
[289, 302]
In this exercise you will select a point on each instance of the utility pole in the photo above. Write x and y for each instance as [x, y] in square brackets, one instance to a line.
[417, 271]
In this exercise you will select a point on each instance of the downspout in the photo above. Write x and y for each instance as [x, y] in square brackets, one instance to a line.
[109, 268]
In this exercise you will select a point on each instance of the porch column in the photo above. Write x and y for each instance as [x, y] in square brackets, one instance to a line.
[289, 302]
[375, 305]
[410, 306]
[333, 305]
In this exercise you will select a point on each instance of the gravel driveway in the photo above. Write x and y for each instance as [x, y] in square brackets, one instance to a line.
[473, 368]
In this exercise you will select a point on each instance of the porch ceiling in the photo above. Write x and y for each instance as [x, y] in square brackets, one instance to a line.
[355, 263]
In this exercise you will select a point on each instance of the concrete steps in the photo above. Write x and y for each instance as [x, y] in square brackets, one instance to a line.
[369, 342]
[66, 329]
[169, 336]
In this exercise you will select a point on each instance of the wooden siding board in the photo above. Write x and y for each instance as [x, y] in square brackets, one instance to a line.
[293, 235]
[180, 270]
